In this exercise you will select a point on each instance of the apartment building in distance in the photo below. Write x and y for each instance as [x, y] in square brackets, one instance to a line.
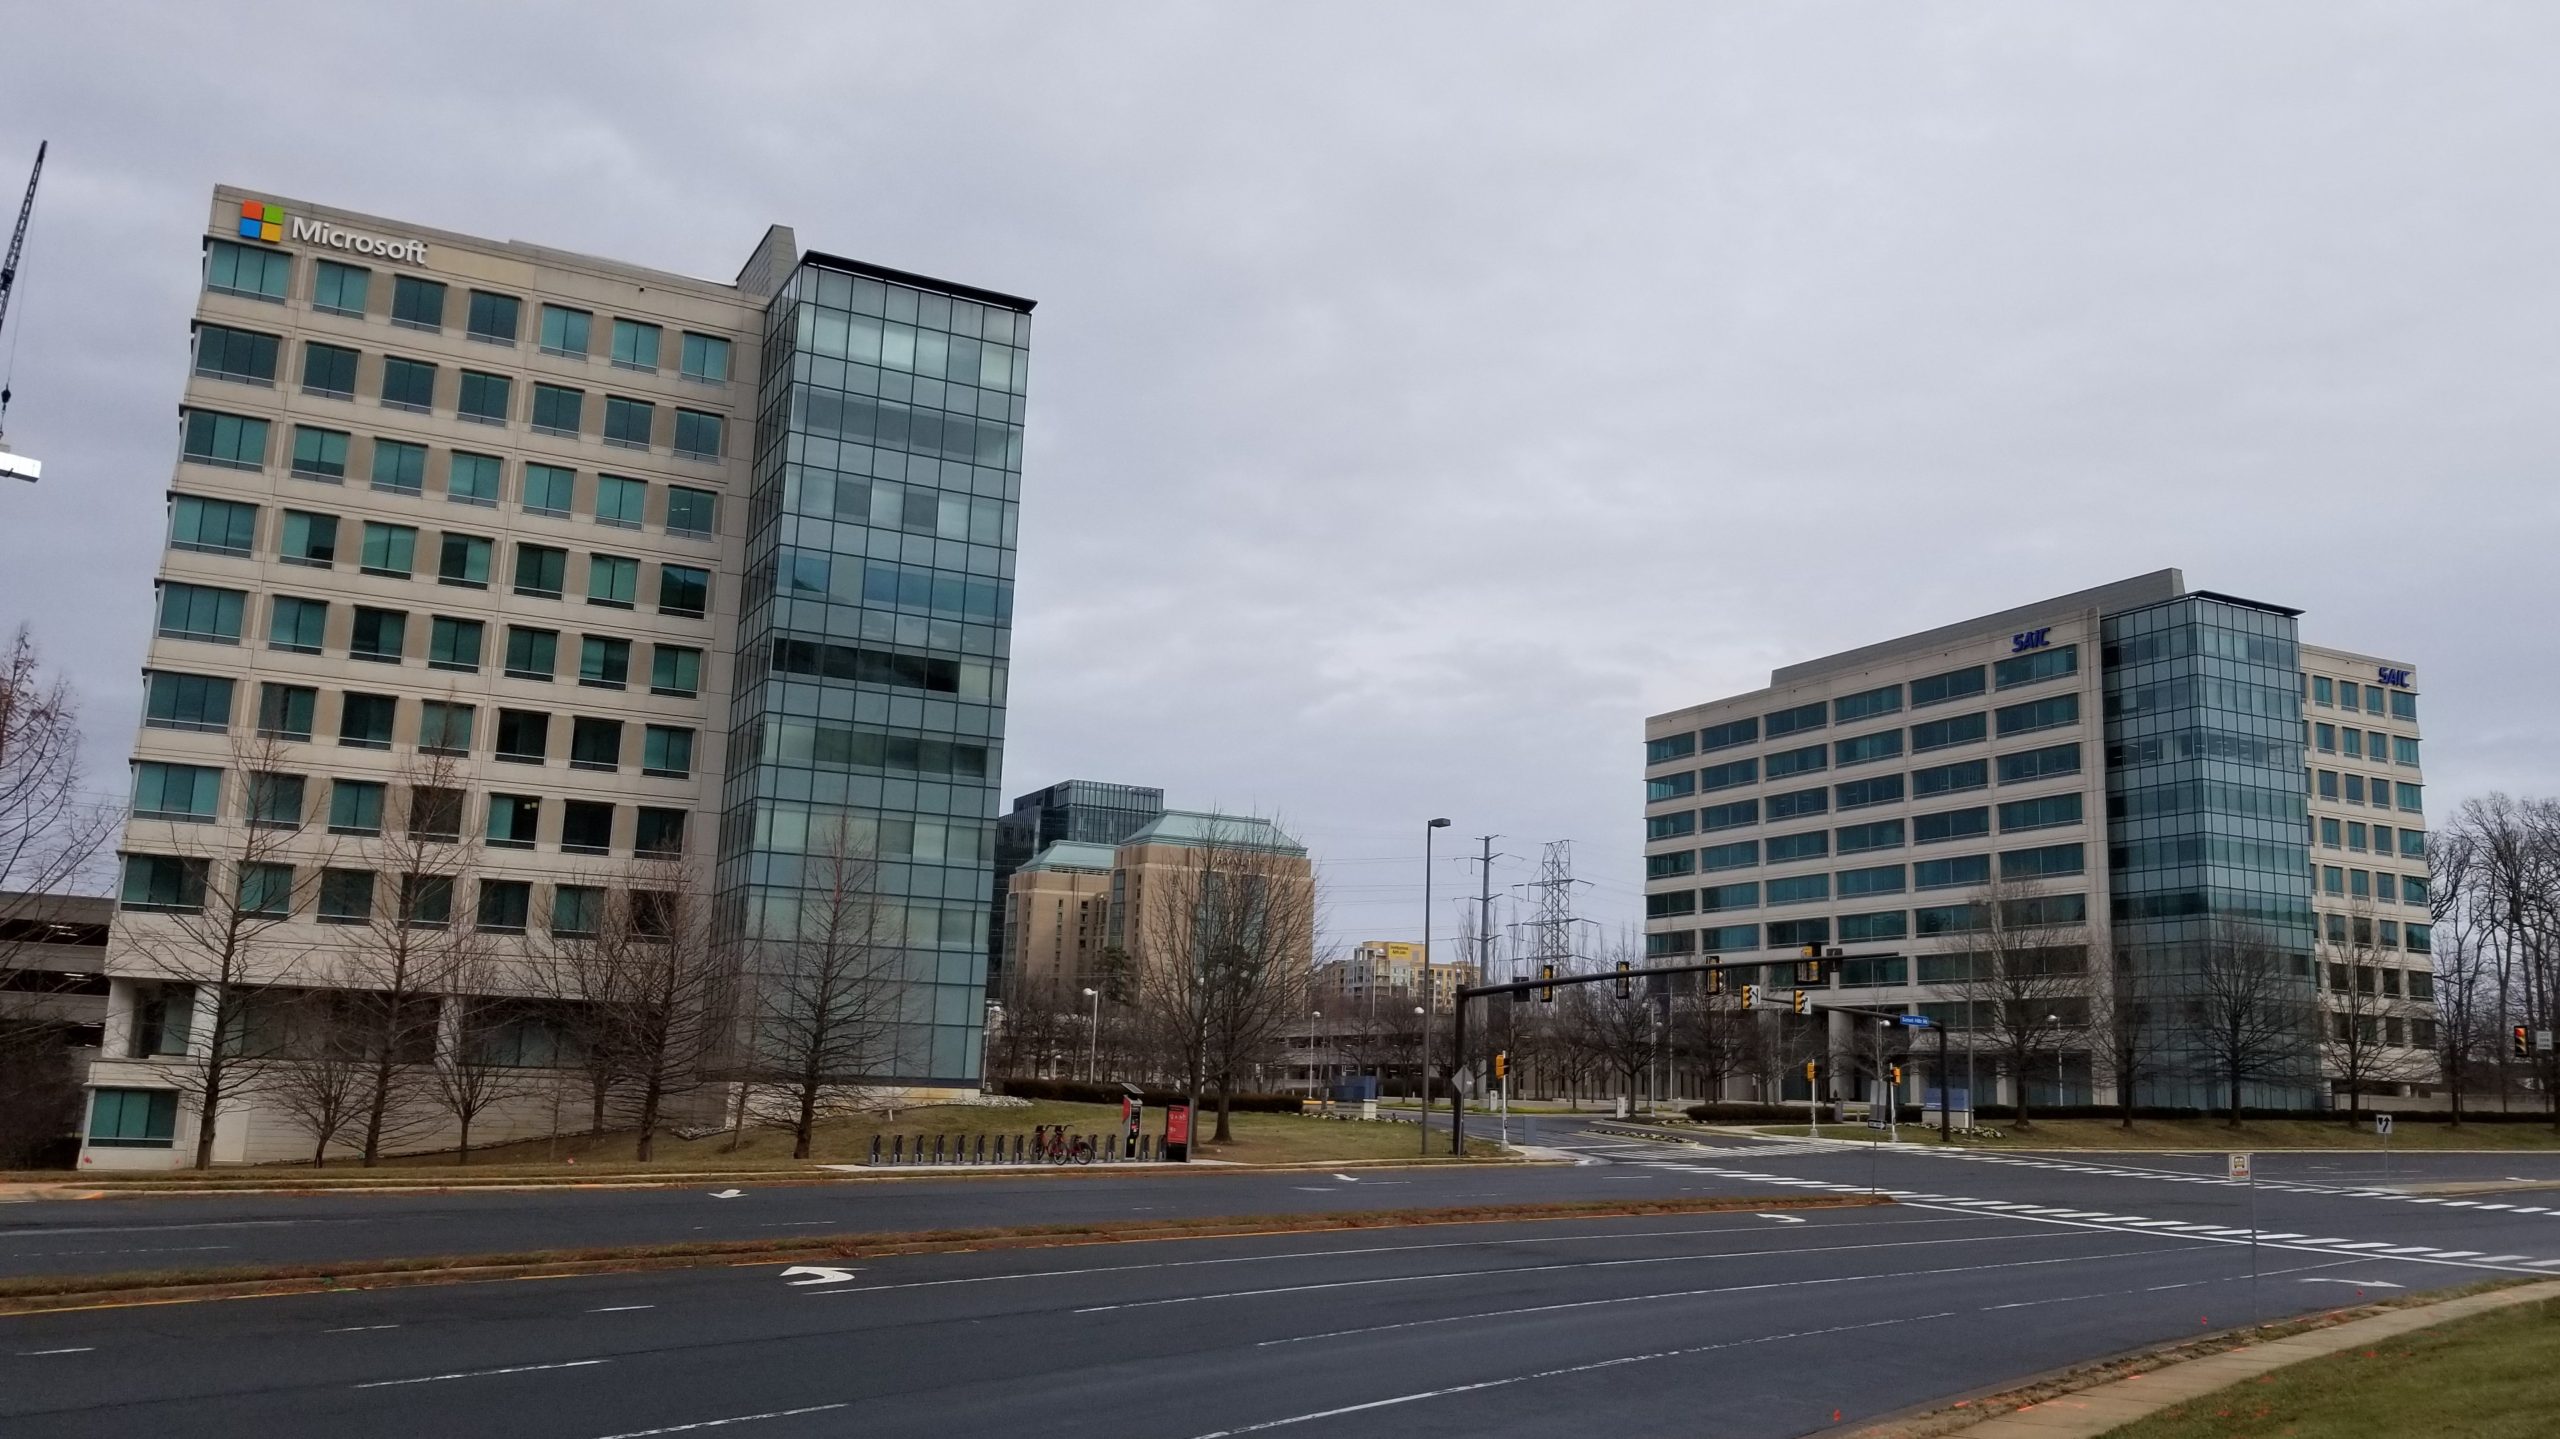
[2141, 763]
[643, 570]
[1081, 914]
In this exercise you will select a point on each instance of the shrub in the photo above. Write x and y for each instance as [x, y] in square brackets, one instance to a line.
[1077, 1091]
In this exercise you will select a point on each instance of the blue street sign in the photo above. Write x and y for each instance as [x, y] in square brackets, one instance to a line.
[1915, 1021]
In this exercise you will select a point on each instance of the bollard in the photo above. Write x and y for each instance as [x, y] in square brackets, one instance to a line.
[982, 1149]
[937, 1149]
[898, 1149]
[875, 1151]
[1017, 1149]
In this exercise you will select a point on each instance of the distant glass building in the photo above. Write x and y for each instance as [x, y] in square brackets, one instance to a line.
[1079, 811]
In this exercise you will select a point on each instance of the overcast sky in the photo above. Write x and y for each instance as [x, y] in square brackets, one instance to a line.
[1421, 395]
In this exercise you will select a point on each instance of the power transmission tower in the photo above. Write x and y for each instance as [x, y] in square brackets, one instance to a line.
[1551, 932]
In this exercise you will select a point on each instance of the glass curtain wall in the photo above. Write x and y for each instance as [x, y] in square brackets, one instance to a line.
[2207, 826]
[874, 633]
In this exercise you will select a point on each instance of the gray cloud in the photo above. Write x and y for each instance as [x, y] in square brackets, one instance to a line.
[1423, 395]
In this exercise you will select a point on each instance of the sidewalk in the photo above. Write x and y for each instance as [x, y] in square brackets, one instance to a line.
[2095, 1411]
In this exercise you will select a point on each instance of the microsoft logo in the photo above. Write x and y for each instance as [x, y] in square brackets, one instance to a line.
[261, 221]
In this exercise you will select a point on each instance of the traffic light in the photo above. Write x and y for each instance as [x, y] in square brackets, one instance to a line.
[1808, 1071]
[1548, 994]
[1625, 987]
[1897, 1074]
[1803, 1005]
[1502, 1064]
[1715, 981]
[1809, 968]
[1751, 996]
[2524, 1042]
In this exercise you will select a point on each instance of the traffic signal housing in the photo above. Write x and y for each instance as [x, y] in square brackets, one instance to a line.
[1808, 1071]
[1502, 1064]
[1803, 1003]
[1547, 995]
[1897, 1074]
[1750, 996]
[2524, 1042]
[1625, 986]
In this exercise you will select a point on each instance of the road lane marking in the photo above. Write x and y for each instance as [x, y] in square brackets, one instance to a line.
[2456, 1258]
[718, 1423]
[41, 1353]
[359, 1328]
[621, 1308]
[479, 1373]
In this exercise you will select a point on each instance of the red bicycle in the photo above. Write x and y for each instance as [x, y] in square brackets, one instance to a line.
[1051, 1145]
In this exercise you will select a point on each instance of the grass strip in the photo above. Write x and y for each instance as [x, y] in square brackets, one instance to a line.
[35, 1293]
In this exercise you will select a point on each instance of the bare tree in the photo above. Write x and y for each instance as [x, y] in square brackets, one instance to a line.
[2024, 975]
[674, 995]
[828, 997]
[1224, 945]
[402, 963]
[2361, 1017]
[1618, 1033]
[474, 1070]
[2254, 1019]
[317, 1072]
[49, 834]
[2464, 986]
[1708, 1040]
[2126, 1028]
[201, 920]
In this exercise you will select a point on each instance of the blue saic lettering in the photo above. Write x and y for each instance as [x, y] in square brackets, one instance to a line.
[2029, 639]
[2398, 679]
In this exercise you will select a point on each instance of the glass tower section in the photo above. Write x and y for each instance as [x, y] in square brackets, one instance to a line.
[874, 632]
[2207, 817]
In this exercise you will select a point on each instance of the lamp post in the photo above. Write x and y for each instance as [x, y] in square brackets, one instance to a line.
[1093, 1038]
[1315, 1020]
[1424, 1117]
[2056, 1021]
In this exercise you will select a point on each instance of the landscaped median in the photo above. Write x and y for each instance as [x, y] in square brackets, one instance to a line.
[72, 1291]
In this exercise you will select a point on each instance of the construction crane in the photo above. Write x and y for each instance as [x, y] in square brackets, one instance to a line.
[16, 466]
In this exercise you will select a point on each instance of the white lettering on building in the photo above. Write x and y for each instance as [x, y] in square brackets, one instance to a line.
[319, 233]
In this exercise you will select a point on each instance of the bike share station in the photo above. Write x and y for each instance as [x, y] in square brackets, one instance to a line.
[1814, 971]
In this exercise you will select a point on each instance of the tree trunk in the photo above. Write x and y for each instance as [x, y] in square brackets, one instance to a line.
[376, 1103]
[1226, 1098]
[648, 1121]
[213, 1079]
[2235, 1098]
[806, 1122]
[320, 1153]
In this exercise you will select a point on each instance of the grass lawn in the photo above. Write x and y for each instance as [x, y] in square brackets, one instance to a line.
[2213, 1134]
[2490, 1376]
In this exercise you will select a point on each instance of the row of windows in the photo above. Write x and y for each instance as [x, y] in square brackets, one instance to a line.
[489, 316]
[2376, 839]
[2031, 668]
[1952, 872]
[202, 703]
[216, 615]
[290, 712]
[2381, 793]
[2006, 722]
[2024, 766]
[171, 884]
[2360, 931]
[2357, 743]
[1926, 922]
[2380, 886]
[2343, 694]
[479, 396]
[282, 801]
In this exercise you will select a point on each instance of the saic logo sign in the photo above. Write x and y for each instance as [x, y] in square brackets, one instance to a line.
[2397, 679]
[260, 220]
[2026, 640]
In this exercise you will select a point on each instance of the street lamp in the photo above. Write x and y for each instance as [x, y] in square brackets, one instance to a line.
[1425, 1117]
[2056, 1021]
[1093, 1038]
[1315, 1019]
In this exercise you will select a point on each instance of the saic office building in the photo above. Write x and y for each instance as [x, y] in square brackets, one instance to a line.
[655, 569]
[2141, 762]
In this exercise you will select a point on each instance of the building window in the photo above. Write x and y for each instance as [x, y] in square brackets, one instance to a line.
[1800, 889]
[483, 398]
[1808, 760]
[1949, 919]
[426, 901]
[134, 1118]
[586, 827]
[417, 304]
[365, 721]
[2035, 715]
[1729, 775]
[706, 358]
[463, 561]
[1670, 786]
[2037, 764]
[309, 539]
[532, 654]
[524, 736]
[697, 513]
[377, 634]
[1945, 733]
[1742, 895]
[556, 409]
[505, 905]
[1961, 872]
[407, 384]
[346, 896]
[390, 550]
[2355, 788]
[1951, 778]
[1729, 816]
[675, 670]
[245, 356]
[1875, 790]
[328, 371]
[355, 807]
[1858, 838]
[201, 703]
[1801, 717]
[2404, 750]
[1794, 803]
[595, 743]
[2412, 797]
[229, 442]
[1889, 924]
[667, 752]
[2329, 834]
[1729, 734]
[188, 792]
[541, 571]
[2051, 859]
[604, 663]
[200, 612]
[514, 820]
[399, 468]
[621, 503]
[1811, 844]
[577, 911]
[1740, 854]
[697, 435]
[2404, 705]
[1790, 933]
[635, 345]
[1670, 826]
[1657, 751]
[297, 626]
[1849, 708]
[212, 527]
[286, 712]
[276, 800]
[454, 644]
[627, 421]
[549, 489]
[564, 331]
[2373, 699]
[613, 580]
[493, 318]
[2323, 690]
[1878, 879]
[247, 270]
[1941, 689]
[1868, 748]
[266, 890]
[319, 454]
[444, 727]
[2324, 738]
[472, 479]
[2036, 666]
[342, 289]
[1951, 824]
[163, 884]
[1666, 866]
[659, 833]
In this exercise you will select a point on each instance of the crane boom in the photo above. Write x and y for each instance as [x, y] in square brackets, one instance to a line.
[18, 237]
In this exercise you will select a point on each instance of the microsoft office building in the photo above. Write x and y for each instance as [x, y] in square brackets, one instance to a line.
[2141, 765]
[645, 570]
